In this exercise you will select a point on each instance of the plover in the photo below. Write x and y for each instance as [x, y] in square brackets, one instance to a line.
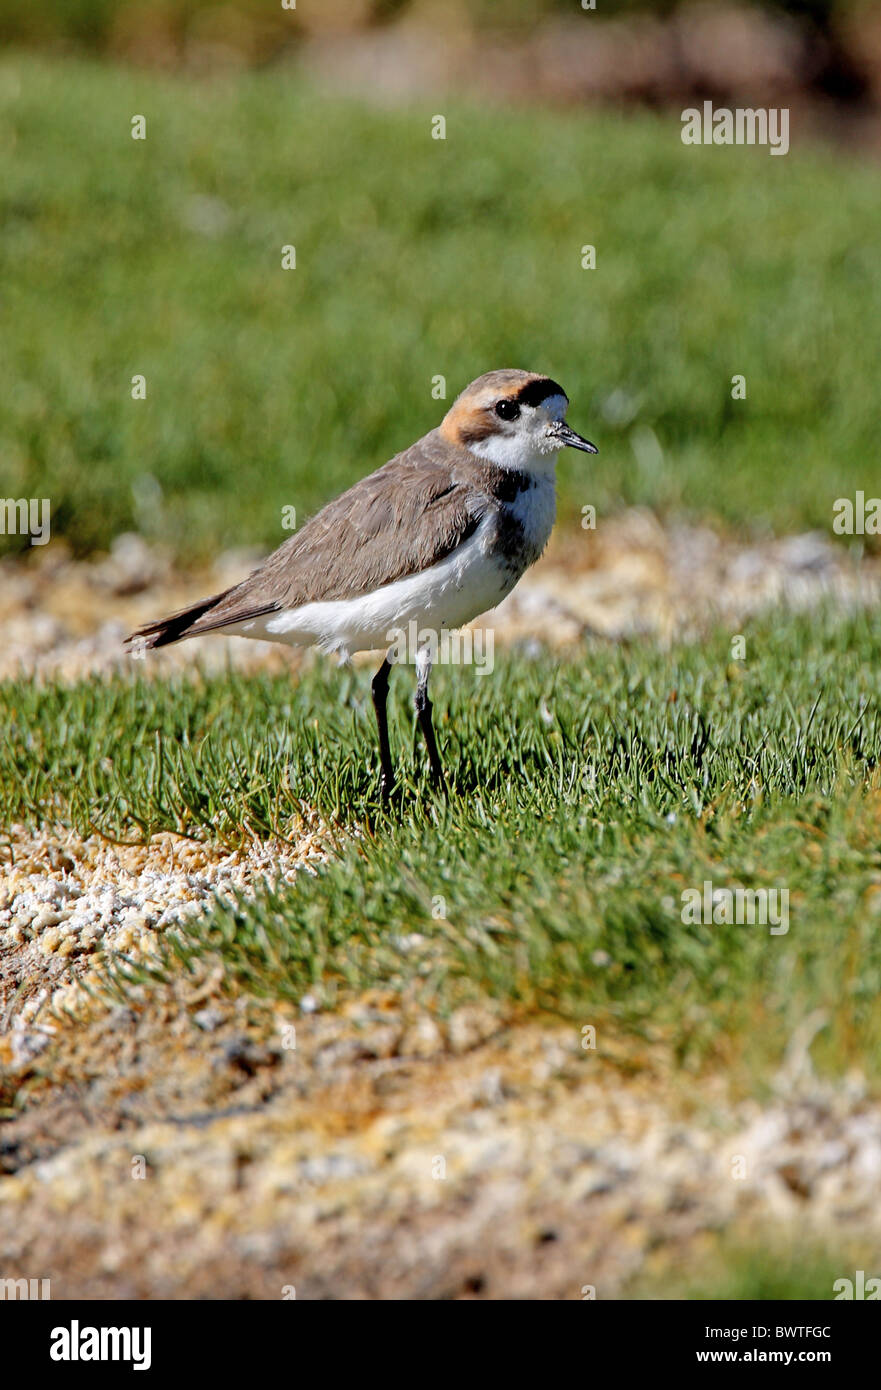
[438, 535]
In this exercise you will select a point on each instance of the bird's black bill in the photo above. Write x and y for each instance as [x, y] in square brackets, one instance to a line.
[567, 436]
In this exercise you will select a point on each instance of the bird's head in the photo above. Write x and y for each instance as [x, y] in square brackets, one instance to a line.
[513, 419]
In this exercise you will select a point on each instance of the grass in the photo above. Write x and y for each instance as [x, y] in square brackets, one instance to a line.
[588, 793]
[610, 782]
[799, 1271]
[597, 789]
[415, 258]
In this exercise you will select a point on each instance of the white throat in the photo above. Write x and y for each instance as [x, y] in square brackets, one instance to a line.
[516, 453]
[528, 448]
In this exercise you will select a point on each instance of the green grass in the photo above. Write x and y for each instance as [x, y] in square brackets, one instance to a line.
[799, 1271]
[415, 258]
[587, 795]
[571, 833]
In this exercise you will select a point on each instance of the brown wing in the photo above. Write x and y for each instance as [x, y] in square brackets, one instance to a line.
[401, 519]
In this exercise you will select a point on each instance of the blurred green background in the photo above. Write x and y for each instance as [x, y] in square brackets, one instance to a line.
[98, 23]
[598, 783]
[416, 258]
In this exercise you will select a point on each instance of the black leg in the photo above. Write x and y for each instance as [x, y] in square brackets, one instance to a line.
[379, 690]
[423, 715]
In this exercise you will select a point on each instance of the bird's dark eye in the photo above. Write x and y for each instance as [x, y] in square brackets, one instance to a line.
[508, 410]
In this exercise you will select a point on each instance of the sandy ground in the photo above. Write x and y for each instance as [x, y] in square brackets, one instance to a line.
[66, 902]
[63, 899]
[191, 1144]
[630, 577]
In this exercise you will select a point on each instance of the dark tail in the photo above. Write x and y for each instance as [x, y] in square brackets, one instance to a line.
[198, 618]
[173, 628]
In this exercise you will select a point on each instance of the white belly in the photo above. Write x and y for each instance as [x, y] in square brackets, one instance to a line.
[448, 595]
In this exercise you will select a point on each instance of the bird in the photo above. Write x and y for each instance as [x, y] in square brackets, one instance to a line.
[436, 536]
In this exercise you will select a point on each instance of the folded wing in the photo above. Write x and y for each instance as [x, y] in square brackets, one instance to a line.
[399, 521]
